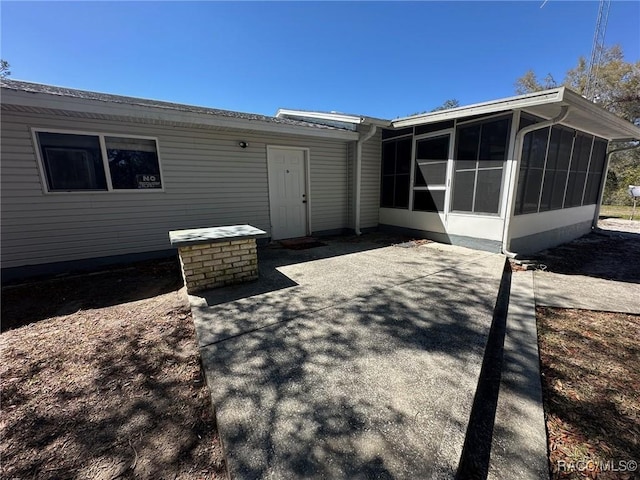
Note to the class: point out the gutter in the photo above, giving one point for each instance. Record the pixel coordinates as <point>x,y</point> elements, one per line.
<point>515,172</point>
<point>358,174</point>
<point>596,215</point>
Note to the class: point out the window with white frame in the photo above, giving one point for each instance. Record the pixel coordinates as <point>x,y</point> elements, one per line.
<point>559,168</point>
<point>481,151</point>
<point>95,162</point>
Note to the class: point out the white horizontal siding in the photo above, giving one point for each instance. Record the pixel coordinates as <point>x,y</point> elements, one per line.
<point>208,180</point>
<point>370,187</point>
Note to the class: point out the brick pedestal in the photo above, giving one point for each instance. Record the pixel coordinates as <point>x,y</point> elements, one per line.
<point>215,257</point>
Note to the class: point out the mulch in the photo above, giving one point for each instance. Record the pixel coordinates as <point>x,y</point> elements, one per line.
<point>101,379</point>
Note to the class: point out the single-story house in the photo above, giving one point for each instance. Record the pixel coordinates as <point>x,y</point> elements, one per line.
<point>89,178</point>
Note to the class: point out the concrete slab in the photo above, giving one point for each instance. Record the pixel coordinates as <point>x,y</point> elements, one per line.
<point>365,366</point>
<point>519,446</point>
<point>584,292</point>
<point>288,289</point>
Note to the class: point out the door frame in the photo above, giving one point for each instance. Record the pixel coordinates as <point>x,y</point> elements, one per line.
<point>307,180</point>
<point>450,162</point>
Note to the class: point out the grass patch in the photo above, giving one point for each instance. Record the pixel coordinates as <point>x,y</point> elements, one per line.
<point>619,211</point>
<point>590,363</point>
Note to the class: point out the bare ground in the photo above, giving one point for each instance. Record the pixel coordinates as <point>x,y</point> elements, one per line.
<point>590,362</point>
<point>591,386</point>
<point>101,379</point>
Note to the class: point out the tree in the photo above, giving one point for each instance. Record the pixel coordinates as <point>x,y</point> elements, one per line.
<point>617,89</point>
<point>529,83</point>
<point>4,69</point>
<point>447,104</point>
<point>617,83</point>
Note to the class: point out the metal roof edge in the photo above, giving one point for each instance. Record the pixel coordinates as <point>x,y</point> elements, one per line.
<point>494,106</point>
<point>207,117</point>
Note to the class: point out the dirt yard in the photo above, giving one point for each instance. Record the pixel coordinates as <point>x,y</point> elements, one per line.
<point>591,383</point>
<point>590,363</point>
<point>101,380</point>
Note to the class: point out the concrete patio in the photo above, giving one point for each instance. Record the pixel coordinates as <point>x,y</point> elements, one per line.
<point>352,360</point>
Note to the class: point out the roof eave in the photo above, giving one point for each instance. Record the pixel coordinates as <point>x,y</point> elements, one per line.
<point>511,103</point>
<point>628,131</point>
<point>99,107</point>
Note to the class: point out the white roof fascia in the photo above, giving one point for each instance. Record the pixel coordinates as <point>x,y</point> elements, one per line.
<point>332,116</point>
<point>522,101</point>
<point>628,130</point>
<point>99,107</point>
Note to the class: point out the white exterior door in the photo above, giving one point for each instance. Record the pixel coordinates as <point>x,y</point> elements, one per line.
<point>287,192</point>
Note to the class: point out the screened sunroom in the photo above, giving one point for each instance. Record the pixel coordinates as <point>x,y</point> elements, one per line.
<point>518,174</point>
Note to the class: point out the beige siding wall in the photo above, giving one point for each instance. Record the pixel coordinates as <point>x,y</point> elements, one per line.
<point>208,181</point>
<point>370,188</point>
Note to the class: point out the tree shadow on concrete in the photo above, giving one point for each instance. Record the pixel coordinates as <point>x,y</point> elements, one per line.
<point>366,384</point>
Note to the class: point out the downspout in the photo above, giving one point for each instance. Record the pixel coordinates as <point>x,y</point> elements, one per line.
<point>594,223</point>
<point>515,172</point>
<point>358,175</point>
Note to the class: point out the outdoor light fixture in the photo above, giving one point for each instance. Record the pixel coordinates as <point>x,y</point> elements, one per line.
<point>243,144</point>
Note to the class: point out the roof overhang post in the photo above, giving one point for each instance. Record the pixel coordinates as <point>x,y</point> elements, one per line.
<point>358,175</point>
<point>513,183</point>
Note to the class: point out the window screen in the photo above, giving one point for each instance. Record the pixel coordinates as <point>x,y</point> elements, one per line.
<point>596,171</point>
<point>481,150</point>
<point>571,174</point>
<point>396,167</point>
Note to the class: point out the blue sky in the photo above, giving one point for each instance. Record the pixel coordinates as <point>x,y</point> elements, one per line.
<point>376,58</point>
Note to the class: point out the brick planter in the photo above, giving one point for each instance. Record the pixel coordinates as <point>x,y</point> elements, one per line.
<point>215,257</point>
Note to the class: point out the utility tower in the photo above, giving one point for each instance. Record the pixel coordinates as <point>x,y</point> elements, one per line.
<point>591,85</point>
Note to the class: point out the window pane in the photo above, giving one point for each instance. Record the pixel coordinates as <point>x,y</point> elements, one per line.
<point>585,154</point>
<point>575,189</point>
<point>463,191</point>
<point>431,173</point>
<point>466,165</point>
<point>401,196</point>
<point>547,190</point>
<point>133,163</point>
<point>468,142</point>
<point>593,188</point>
<point>488,191</point>
<point>403,156</point>
<point>433,148</point>
<point>493,145</point>
<point>428,200</point>
<point>598,156</point>
<point>388,158</point>
<point>532,187</point>
<point>387,191</point>
<point>72,162</point>
<point>564,151</point>
<point>536,153</point>
<point>557,195</point>
<point>554,147</point>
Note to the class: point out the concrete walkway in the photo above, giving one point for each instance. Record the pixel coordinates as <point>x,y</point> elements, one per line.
<point>349,361</point>
<point>585,292</point>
